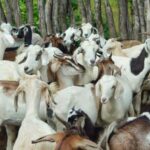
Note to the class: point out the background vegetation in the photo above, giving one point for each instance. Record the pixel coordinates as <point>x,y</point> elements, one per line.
<point>63,13</point>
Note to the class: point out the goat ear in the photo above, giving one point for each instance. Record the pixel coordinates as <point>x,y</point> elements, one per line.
<point>94,30</point>
<point>86,144</point>
<point>97,89</point>
<point>46,93</point>
<point>44,58</point>
<point>49,138</point>
<point>115,70</point>
<point>27,35</point>
<point>18,91</point>
<point>80,32</point>
<point>21,57</point>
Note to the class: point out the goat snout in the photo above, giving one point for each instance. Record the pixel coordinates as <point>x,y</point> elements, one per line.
<point>103,100</point>
<point>86,35</point>
<point>92,61</point>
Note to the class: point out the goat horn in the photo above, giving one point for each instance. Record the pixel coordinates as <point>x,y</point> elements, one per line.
<point>66,124</point>
<point>76,66</point>
<point>48,138</point>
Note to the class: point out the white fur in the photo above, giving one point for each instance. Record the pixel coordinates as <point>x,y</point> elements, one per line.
<point>6,40</point>
<point>32,126</point>
<point>117,94</point>
<point>80,97</point>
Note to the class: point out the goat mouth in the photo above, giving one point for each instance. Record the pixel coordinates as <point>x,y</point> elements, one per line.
<point>103,102</point>
<point>30,72</point>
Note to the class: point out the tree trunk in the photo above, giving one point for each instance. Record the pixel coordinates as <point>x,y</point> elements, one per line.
<point>136,28</point>
<point>55,16</point>
<point>42,17</point>
<point>63,14</point>
<point>9,15</point>
<point>2,14</point>
<point>142,18</point>
<point>111,23</point>
<point>48,16</point>
<point>123,19</point>
<point>71,14</point>
<point>148,18</point>
<point>98,17</point>
<point>83,11</point>
<point>88,11</point>
<point>16,12</point>
<point>29,5</point>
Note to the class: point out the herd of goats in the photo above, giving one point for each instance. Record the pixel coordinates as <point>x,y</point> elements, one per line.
<point>73,91</point>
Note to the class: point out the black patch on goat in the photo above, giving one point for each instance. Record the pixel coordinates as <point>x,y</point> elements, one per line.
<point>26,33</point>
<point>93,30</point>
<point>38,55</point>
<point>63,48</point>
<point>137,64</point>
<point>89,129</point>
<point>81,32</point>
<point>23,60</point>
<point>28,36</point>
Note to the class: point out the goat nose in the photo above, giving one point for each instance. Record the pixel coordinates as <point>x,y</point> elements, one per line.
<point>64,41</point>
<point>92,61</point>
<point>26,68</point>
<point>86,35</point>
<point>103,100</point>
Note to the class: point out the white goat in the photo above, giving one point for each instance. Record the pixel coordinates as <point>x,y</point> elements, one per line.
<point>6,40</point>
<point>69,37</point>
<point>6,27</point>
<point>135,69</point>
<point>75,96</point>
<point>32,126</point>
<point>85,56</point>
<point>86,30</point>
<point>116,97</point>
<point>116,48</point>
<point>25,34</point>
<point>8,116</point>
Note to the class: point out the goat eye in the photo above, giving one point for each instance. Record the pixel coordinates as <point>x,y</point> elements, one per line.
<point>38,55</point>
<point>23,60</point>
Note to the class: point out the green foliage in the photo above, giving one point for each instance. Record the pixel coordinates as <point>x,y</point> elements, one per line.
<point>77,13</point>
<point>35,13</point>
<point>23,11</point>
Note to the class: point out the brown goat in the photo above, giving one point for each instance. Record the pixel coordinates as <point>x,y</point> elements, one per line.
<point>106,66</point>
<point>56,42</point>
<point>68,141</point>
<point>134,135</point>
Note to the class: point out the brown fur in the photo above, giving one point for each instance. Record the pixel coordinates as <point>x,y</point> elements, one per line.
<point>107,66</point>
<point>10,55</point>
<point>68,141</point>
<point>131,136</point>
<point>12,85</point>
